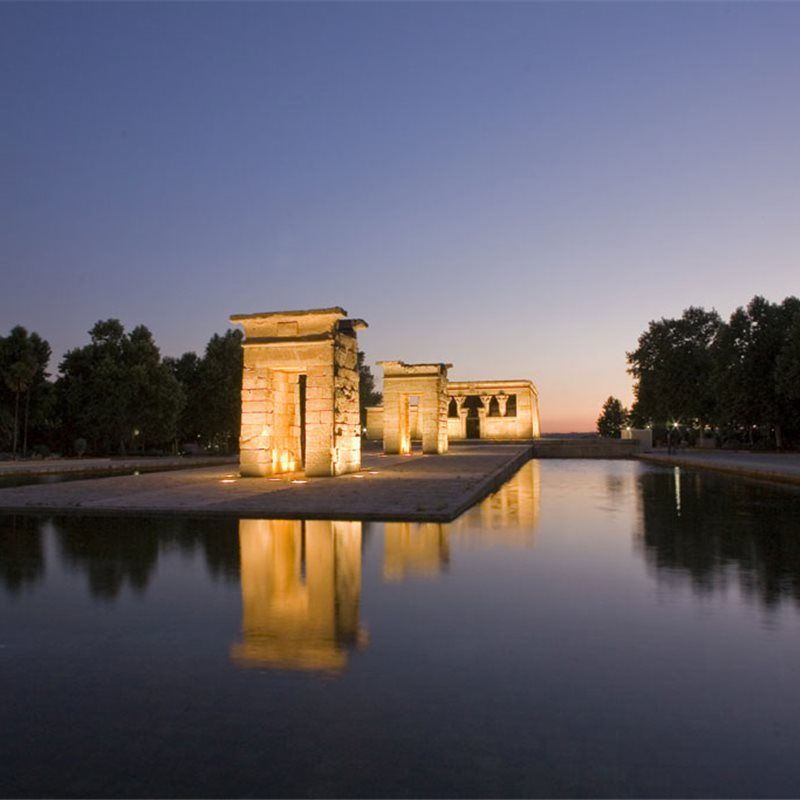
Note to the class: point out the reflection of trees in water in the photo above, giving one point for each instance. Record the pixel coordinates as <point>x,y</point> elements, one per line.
<point>712,529</point>
<point>112,552</point>
<point>216,538</point>
<point>21,552</point>
<point>120,551</point>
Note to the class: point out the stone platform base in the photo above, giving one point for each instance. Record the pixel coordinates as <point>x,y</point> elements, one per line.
<point>435,488</point>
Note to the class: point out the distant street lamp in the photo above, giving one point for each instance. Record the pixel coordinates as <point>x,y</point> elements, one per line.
<point>670,429</point>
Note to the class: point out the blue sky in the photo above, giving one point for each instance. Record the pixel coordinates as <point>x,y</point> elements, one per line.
<point>515,188</point>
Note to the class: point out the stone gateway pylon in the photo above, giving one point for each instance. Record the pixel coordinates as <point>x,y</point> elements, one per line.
<point>425,387</point>
<point>300,393</point>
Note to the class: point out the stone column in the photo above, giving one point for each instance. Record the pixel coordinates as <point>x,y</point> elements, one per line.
<point>396,424</point>
<point>346,420</point>
<point>462,415</point>
<point>483,412</point>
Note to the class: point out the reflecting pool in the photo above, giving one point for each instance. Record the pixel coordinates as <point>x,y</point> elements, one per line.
<point>595,628</point>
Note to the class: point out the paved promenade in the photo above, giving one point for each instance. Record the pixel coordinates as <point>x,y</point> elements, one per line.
<point>103,466</point>
<point>417,487</point>
<point>781,467</point>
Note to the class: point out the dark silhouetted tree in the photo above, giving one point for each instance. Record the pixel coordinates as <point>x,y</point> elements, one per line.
<point>188,372</point>
<point>23,364</point>
<point>747,378</point>
<point>787,374</point>
<point>221,390</point>
<point>367,396</point>
<point>117,393</point>
<point>612,419</point>
<point>673,367</point>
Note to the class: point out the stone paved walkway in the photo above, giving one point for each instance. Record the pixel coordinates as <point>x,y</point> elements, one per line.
<point>781,467</point>
<point>63,466</point>
<point>417,487</point>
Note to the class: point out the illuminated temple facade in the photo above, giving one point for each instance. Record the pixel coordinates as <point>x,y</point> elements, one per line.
<point>300,393</point>
<point>496,410</point>
<point>300,399</point>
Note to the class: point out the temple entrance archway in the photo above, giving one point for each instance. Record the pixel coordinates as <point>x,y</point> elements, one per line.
<point>473,406</point>
<point>473,424</point>
<point>415,402</point>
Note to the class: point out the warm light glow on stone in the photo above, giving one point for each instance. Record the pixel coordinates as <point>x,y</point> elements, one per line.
<point>301,585</point>
<point>300,390</point>
<point>414,406</point>
<point>496,410</point>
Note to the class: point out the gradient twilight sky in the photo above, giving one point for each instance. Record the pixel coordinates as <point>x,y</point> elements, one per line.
<point>516,188</point>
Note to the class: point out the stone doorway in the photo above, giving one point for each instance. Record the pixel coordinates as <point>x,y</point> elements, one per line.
<point>415,406</point>
<point>473,404</point>
<point>473,424</point>
<point>301,406</point>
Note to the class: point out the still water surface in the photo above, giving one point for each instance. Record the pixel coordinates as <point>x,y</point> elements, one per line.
<point>593,629</point>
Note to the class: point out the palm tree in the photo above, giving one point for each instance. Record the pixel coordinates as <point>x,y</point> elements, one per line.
<point>23,360</point>
<point>18,378</point>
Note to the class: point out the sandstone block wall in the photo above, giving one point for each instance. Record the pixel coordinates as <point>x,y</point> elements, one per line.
<point>346,419</point>
<point>427,383</point>
<point>300,393</point>
<point>375,423</point>
<point>524,424</point>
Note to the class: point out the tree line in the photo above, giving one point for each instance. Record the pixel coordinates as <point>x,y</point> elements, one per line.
<point>737,380</point>
<point>117,395</point>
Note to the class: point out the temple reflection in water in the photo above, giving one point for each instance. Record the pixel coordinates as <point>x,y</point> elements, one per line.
<point>507,518</point>
<point>414,548</point>
<point>301,583</point>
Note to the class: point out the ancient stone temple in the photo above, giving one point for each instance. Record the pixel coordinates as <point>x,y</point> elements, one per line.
<point>496,410</point>
<point>493,410</point>
<point>423,388</point>
<point>300,393</point>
